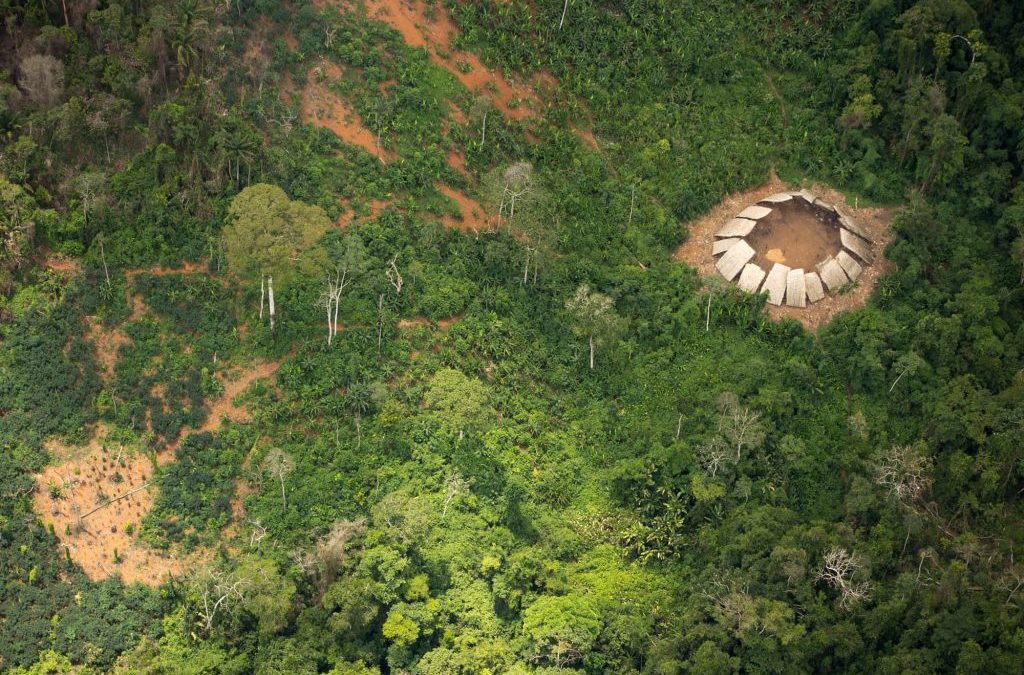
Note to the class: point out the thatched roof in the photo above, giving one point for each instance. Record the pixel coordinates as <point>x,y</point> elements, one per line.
<point>730,264</point>
<point>796,288</point>
<point>775,284</point>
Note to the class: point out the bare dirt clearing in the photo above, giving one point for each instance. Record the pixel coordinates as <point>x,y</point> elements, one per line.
<point>876,221</point>
<point>795,233</point>
<point>432,29</point>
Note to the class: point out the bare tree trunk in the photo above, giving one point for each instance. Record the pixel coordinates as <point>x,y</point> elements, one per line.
<point>898,378</point>
<point>115,499</point>
<point>270,298</point>
<point>263,293</point>
<point>483,131</point>
<point>330,327</point>
<point>591,352</point>
<point>526,268</point>
<point>707,322</point>
<point>284,502</point>
<point>380,321</point>
<point>103,255</point>
<point>334,323</point>
<point>565,8</point>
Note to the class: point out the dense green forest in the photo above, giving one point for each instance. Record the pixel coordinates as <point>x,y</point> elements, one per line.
<point>416,445</point>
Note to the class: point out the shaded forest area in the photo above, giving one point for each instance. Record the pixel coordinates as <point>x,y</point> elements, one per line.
<point>376,301</point>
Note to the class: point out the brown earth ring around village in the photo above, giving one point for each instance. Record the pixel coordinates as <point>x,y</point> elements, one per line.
<point>809,243</point>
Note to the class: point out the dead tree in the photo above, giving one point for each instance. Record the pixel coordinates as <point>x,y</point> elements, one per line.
<point>394,276</point>
<point>279,464</point>
<point>739,425</point>
<point>257,535</point>
<point>454,486</point>
<point>518,183</point>
<point>906,473</point>
<point>331,299</point>
<point>838,569</point>
<point>331,549</point>
<point>711,455</point>
<point>216,590</point>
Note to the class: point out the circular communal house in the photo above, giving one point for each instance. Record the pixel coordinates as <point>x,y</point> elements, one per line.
<point>793,246</point>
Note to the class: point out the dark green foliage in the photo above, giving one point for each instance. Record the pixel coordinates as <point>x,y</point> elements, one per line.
<point>194,501</point>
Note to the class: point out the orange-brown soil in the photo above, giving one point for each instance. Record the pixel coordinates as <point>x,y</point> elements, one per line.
<point>474,218</point>
<point>91,476</point>
<point>404,324</point>
<point>435,33</point>
<point>323,108</point>
<point>348,216</point>
<point>696,250</point>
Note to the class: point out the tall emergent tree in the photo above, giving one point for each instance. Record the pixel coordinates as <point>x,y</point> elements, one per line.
<point>268,235</point>
<point>593,317</point>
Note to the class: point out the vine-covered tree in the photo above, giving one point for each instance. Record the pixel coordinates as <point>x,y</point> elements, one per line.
<point>268,235</point>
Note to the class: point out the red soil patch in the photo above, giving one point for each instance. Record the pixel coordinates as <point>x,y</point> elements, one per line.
<point>473,219</point>
<point>325,109</point>
<point>696,250</point>
<point>587,137</point>
<point>457,114</point>
<point>93,476</point>
<point>59,263</point>
<point>457,161</point>
<point>108,340</point>
<point>376,207</point>
<point>434,33</point>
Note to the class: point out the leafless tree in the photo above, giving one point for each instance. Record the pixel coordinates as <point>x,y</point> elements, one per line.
<point>394,276</point>
<point>838,568</point>
<point>41,77</point>
<point>518,182</point>
<point>215,591</point>
<point>739,425</point>
<point>257,535</point>
<point>279,464</point>
<point>331,548</point>
<point>331,299</point>
<point>906,472</point>
<point>711,455</point>
<point>481,108</point>
<point>454,486</point>
<point>90,187</point>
